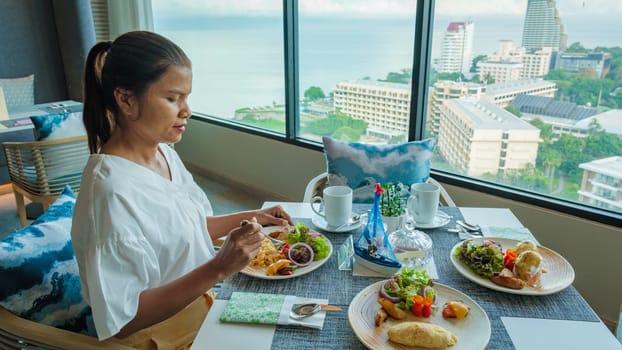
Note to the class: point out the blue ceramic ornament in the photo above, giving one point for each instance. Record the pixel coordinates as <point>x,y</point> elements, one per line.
<point>372,248</point>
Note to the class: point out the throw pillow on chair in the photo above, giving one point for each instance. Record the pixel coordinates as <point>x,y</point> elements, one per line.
<point>39,272</point>
<point>360,165</point>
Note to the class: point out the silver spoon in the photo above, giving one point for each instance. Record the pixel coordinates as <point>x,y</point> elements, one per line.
<point>355,219</point>
<point>300,311</point>
<point>469,227</point>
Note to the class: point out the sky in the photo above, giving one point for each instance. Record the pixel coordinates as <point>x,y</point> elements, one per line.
<point>375,8</point>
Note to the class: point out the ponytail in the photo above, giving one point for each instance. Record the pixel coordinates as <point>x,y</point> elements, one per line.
<point>95,116</point>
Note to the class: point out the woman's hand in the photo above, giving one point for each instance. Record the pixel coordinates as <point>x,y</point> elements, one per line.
<point>273,216</point>
<point>240,247</point>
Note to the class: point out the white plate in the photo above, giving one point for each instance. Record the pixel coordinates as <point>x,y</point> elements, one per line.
<point>559,275</point>
<point>320,223</point>
<point>473,331</point>
<point>260,272</point>
<point>440,219</point>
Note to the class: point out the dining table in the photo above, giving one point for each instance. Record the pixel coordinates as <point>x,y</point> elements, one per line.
<point>560,320</point>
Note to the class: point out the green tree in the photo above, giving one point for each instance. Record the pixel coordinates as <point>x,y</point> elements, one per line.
<point>475,61</point>
<point>514,110</point>
<point>546,130</point>
<point>556,74</point>
<point>572,150</point>
<point>314,93</point>
<point>488,79</point>
<point>550,159</point>
<point>402,77</point>
<point>576,47</point>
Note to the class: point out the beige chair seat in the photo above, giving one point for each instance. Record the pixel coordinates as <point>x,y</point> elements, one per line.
<point>19,333</point>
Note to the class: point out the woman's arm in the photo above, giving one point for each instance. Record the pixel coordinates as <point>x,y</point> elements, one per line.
<point>158,304</point>
<point>219,226</point>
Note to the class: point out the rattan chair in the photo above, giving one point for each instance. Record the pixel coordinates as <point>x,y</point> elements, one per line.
<point>316,186</point>
<point>19,333</point>
<point>39,170</point>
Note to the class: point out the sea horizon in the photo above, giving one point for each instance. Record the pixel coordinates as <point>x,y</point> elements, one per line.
<point>243,57</point>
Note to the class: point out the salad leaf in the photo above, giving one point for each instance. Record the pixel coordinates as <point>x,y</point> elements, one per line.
<point>318,243</point>
<point>406,284</point>
<point>484,259</point>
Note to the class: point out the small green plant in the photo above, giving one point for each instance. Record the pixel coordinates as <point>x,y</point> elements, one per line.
<point>393,199</point>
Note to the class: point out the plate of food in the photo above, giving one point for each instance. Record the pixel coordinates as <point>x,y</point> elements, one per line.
<point>453,319</point>
<point>512,266</point>
<point>288,252</point>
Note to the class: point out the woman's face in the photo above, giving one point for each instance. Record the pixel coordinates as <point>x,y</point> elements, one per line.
<point>163,109</point>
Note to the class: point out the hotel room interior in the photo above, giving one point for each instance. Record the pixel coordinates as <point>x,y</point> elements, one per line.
<point>240,167</point>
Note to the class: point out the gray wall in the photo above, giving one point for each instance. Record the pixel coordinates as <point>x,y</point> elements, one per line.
<point>30,35</point>
<point>279,170</point>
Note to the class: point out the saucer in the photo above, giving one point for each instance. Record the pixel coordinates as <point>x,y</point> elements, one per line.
<point>320,223</point>
<point>440,219</point>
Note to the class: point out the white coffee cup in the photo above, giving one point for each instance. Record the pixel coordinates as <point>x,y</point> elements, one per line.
<point>337,203</point>
<point>423,202</point>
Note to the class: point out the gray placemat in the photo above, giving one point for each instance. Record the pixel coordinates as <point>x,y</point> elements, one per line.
<point>340,287</point>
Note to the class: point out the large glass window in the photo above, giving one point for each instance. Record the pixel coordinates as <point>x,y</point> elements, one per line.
<point>523,94</point>
<point>237,53</point>
<point>355,69</point>
<point>539,83</point>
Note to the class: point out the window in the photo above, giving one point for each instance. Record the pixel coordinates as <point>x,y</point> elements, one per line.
<point>237,54</point>
<point>536,83</point>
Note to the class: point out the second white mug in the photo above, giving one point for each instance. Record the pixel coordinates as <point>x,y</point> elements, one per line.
<point>337,203</point>
<point>423,202</point>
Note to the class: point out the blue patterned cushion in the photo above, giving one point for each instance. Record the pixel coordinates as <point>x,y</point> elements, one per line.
<point>57,126</point>
<point>19,91</point>
<point>39,272</point>
<point>360,165</point>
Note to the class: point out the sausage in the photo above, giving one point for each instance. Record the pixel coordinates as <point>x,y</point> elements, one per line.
<point>392,309</point>
<point>506,278</point>
<point>381,316</point>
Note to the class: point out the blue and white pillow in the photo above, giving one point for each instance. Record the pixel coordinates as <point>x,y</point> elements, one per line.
<point>39,271</point>
<point>57,126</point>
<point>360,165</point>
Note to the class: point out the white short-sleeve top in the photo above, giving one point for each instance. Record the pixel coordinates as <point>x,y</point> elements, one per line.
<point>133,230</point>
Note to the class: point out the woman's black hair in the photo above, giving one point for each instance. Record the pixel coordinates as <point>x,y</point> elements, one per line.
<point>132,62</point>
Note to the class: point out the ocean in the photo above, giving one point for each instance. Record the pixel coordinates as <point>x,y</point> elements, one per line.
<point>238,62</point>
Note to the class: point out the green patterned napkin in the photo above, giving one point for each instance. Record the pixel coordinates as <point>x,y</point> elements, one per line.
<point>255,308</point>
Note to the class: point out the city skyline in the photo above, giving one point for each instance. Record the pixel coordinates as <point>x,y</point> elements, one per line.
<point>371,8</point>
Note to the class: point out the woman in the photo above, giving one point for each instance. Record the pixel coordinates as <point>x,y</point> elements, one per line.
<point>142,228</point>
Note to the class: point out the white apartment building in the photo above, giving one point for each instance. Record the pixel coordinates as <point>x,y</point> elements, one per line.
<point>602,183</point>
<point>457,48</point>
<point>478,138</point>
<point>446,90</point>
<point>502,94</point>
<point>536,65</point>
<point>513,63</point>
<point>500,71</point>
<point>384,106</point>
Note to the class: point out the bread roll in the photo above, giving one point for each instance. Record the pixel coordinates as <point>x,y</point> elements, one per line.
<point>425,335</point>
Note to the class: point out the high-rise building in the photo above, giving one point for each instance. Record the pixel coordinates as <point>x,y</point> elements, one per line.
<point>511,63</point>
<point>384,106</point>
<point>478,138</point>
<point>457,48</point>
<point>543,27</point>
<point>602,183</point>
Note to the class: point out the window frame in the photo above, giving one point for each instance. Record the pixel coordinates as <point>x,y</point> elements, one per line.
<point>418,109</point>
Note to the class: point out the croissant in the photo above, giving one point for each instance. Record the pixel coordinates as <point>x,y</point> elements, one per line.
<point>426,335</point>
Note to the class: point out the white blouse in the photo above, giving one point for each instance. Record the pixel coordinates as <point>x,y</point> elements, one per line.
<point>134,230</point>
